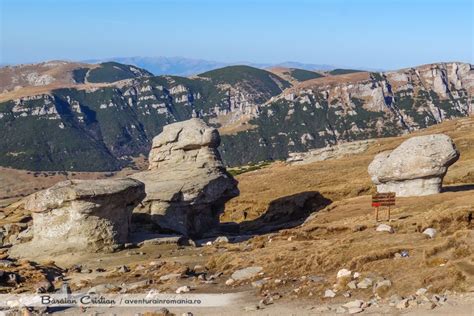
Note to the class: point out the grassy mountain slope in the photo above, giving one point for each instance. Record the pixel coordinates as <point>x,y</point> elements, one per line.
<point>338,71</point>
<point>248,79</point>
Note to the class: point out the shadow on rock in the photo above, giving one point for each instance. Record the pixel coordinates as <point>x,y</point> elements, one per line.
<point>286,212</point>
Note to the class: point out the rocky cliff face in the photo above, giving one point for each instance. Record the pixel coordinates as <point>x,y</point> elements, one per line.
<point>102,127</point>
<point>330,110</point>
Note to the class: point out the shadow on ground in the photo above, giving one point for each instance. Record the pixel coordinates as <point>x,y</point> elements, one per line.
<point>283,213</point>
<point>459,188</point>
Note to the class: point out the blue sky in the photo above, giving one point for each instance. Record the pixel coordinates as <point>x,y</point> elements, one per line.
<point>383,34</point>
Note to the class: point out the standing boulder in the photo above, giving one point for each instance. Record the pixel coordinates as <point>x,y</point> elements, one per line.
<point>416,167</point>
<point>187,184</point>
<point>82,215</point>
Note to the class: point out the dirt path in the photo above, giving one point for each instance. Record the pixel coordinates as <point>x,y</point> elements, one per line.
<point>459,305</point>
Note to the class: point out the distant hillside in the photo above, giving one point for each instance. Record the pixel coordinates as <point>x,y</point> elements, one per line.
<point>295,75</point>
<point>69,123</point>
<point>31,79</point>
<point>336,72</point>
<point>247,78</point>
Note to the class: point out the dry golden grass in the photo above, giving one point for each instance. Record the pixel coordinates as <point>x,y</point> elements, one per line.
<point>343,234</point>
<point>341,178</point>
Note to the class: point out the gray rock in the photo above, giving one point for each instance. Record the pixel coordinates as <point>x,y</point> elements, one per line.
<point>344,273</point>
<point>316,278</point>
<point>381,287</point>
<point>104,288</point>
<point>170,276</point>
<point>402,304</point>
<point>183,289</point>
<point>416,167</point>
<point>6,263</point>
<point>352,285</point>
<point>251,308</point>
<point>267,300</point>
<point>430,232</point>
<point>221,239</point>
<point>385,228</point>
<point>246,273</point>
<point>355,303</point>
<point>259,283</point>
<point>395,299</point>
<point>135,285</point>
<point>365,283</point>
<point>186,184</point>
<point>85,215</point>
<point>44,287</point>
<point>123,269</point>
<point>329,294</point>
<point>421,291</point>
<point>165,240</point>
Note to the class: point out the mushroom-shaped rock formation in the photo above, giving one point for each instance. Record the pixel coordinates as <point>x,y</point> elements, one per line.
<point>187,184</point>
<point>416,167</point>
<point>82,215</point>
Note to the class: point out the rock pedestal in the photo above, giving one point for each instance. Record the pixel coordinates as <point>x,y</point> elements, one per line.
<point>186,184</point>
<point>416,167</point>
<point>83,215</point>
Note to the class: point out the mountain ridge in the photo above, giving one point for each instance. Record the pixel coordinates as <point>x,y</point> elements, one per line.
<point>261,116</point>
<point>181,66</point>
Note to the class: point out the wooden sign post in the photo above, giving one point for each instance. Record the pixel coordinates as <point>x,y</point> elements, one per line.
<point>383,199</point>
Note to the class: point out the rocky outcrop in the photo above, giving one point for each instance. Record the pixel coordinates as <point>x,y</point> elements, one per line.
<point>330,152</point>
<point>186,184</point>
<point>416,167</point>
<point>85,215</point>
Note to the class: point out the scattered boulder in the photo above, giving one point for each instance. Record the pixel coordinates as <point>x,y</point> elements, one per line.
<point>44,287</point>
<point>402,304</point>
<point>85,215</point>
<point>416,167</point>
<point>430,232</point>
<point>246,273</point>
<point>365,283</point>
<point>170,276</point>
<point>221,239</point>
<point>123,269</point>
<point>104,288</point>
<point>183,289</point>
<point>382,287</point>
<point>344,273</point>
<point>186,184</point>
<point>385,228</point>
<point>352,304</point>
<point>329,294</point>
<point>421,291</point>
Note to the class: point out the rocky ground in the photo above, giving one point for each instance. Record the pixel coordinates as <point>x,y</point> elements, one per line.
<point>335,260</point>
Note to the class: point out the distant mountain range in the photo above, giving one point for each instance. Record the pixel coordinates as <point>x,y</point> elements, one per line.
<point>180,66</point>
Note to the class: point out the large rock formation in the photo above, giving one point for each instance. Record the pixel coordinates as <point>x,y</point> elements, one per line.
<point>416,167</point>
<point>84,215</point>
<point>187,184</point>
